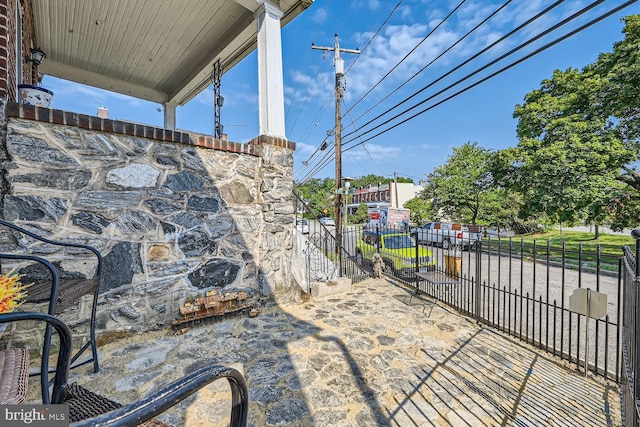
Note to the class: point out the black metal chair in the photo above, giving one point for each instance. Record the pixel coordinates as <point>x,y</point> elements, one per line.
<point>89,409</point>
<point>58,288</point>
<point>68,288</point>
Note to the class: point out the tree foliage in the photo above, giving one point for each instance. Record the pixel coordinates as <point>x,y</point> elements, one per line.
<point>318,194</point>
<point>578,139</point>
<point>456,188</point>
<point>360,215</point>
<point>421,210</point>
<point>374,180</point>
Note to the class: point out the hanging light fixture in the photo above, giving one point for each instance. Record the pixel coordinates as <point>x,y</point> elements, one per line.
<point>37,56</point>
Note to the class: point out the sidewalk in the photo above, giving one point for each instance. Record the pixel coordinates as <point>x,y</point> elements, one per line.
<point>364,358</point>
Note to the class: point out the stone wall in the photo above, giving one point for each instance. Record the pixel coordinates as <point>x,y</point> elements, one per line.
<point>171,218</point>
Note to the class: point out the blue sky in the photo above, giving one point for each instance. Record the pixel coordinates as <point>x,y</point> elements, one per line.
<point>386,31</point>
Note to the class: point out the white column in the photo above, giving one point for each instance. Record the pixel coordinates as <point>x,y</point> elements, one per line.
<point>270,79</point>
<point>169,116</point>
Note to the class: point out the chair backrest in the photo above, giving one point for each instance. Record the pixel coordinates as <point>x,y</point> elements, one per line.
<point>17,228</point>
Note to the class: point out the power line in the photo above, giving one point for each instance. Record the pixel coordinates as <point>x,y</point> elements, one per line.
<point>412,50</point>
<point>328,99</point>
<point>304,67</point>
<point>500,71</point>
<point>489,47</point>
<point>323,162</point>
<point>475,56</point>
<point>484,21</point>
<point>364,49</point>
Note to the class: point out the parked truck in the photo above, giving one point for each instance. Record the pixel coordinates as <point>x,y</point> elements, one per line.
<point>448,234</point>
<point>387,217</point>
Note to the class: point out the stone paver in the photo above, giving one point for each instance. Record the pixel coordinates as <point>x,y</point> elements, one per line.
<point>362,358</point>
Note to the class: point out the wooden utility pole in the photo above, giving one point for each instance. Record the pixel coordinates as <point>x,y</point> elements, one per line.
<point>338,64</point>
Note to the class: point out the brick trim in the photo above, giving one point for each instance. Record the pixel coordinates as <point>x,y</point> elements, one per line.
<point>82,121</point>
<point>272,140</point>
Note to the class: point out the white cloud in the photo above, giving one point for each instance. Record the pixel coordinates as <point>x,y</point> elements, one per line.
<point>303,150</point>
<point>373,151</point>
<point>319,16</point>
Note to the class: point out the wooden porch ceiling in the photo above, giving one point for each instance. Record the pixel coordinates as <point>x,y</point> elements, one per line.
<point>157,50</point>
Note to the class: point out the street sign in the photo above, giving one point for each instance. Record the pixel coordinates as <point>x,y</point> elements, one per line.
<point>587,302</point>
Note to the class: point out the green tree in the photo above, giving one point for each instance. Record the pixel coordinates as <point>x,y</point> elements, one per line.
<point>456,188</point>
<point>373,180</point>
<point>421,210</point>
<point>319,194</point>
<point>578,139</point>
<point>360,215</point>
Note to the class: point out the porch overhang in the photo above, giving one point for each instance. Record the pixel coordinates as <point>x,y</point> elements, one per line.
<point>159,50</point>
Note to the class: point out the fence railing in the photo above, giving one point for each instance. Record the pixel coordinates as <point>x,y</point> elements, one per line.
<point>520,288</point>
<point>630,278</point>
<point>322,262</point>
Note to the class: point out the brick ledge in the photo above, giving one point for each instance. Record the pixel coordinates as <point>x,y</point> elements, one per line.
<point>83,121</point>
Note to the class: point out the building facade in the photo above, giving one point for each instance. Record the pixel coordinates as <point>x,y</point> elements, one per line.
<point>390,194</point>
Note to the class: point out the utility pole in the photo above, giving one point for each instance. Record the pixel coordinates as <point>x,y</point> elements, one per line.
<point>338,64</point>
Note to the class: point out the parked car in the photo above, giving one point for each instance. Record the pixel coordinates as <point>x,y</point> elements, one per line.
<point>448,235</point>
<point>327,221</point>
<point>302,225</point>
<point>398,251</point>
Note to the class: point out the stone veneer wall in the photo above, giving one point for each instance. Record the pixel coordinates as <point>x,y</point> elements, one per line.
<point>173,214</point>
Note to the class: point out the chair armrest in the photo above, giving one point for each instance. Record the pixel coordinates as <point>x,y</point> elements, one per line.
<point>57,243</point>
<point>158,402</point>
<point>64,352</point>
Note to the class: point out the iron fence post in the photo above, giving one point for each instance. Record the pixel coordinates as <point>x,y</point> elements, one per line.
<point>477,299</point>
<point>636,368</point>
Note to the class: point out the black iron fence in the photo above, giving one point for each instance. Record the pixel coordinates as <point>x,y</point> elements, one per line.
<point>523,289</point>
<point>526,289</point>
<point>318,245</point>
<point>630,279</point>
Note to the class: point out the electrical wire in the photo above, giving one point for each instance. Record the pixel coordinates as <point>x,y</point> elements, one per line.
<point>501,70</point>
<point>325,105</point>
<point>304,68</point>
<point>484,21</point>
<point>486,49</point>
<point>413,50</point>
<point>375,35</point>
<point>406,56</point>
<point>517,62</point>
<point>363,146</point>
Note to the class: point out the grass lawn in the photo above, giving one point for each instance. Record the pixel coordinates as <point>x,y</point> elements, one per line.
<point>610,244</point>
<point>610,247</point>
